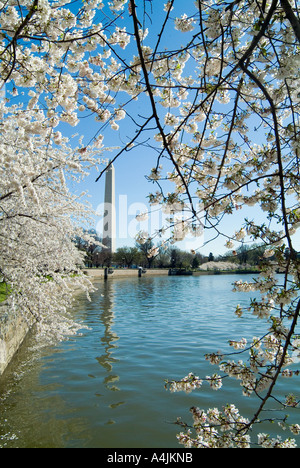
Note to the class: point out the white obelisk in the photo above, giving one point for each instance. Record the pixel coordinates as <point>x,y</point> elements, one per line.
<point>109,221</point>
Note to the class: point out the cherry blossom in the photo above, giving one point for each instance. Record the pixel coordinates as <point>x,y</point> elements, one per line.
<point>219,106</point>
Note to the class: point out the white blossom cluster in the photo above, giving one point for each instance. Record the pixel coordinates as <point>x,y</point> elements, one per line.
<point>228,429</point>
<point>38,223</point>
<point>52,63</point>
<point>217,429</point>
<point>220,109</point>
<point>187,384</point>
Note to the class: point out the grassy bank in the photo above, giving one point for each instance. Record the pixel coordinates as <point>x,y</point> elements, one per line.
<point>4,291</point>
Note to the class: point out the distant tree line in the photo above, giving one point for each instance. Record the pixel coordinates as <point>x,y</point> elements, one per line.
<point>147,255</point>
<point>246,254</point>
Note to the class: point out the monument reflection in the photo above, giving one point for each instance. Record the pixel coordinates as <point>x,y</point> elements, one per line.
<point>109,338</point>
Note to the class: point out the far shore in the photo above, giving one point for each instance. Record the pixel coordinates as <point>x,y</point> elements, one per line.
<point>210,268</point>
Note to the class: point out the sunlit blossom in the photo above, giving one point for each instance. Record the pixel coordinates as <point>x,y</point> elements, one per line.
<point>218,110</point>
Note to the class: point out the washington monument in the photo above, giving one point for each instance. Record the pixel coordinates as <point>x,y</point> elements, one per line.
<point>109,220</point>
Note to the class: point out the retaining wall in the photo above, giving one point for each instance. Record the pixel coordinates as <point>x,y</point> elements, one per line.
<point>13,330</point>
<point>123,273</point>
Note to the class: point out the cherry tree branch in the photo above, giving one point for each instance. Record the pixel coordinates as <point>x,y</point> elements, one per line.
<point>295,23</point>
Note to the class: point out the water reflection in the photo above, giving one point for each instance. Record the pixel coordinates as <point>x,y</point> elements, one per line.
<point>109,338</point>
<point>106,387</point>
<point>45,395</point>
<point>29,410</point>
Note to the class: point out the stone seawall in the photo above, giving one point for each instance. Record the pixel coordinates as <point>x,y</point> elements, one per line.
<point>123,273</point>
<point>13,330</point>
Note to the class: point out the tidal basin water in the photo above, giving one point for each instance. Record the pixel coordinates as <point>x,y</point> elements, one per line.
<point>105,388</point>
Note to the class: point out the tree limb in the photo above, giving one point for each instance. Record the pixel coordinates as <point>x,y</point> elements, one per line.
<point>295,23</point>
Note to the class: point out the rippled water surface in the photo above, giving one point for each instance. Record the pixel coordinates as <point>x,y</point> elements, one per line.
<point>106,387</point>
